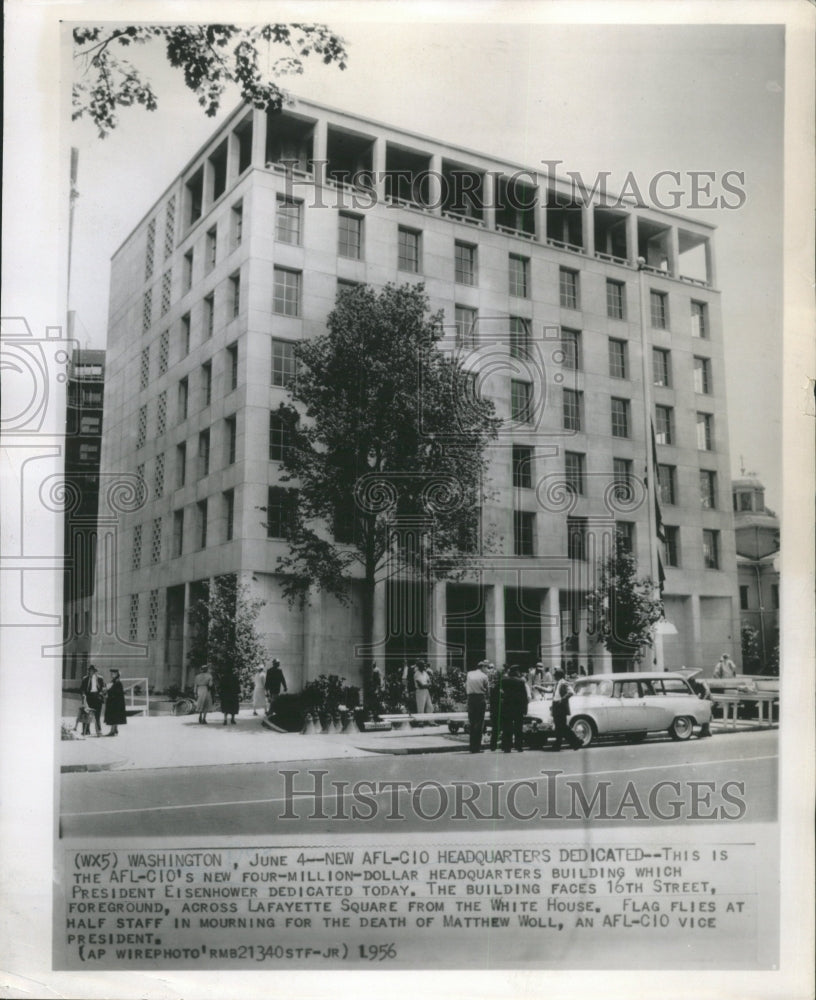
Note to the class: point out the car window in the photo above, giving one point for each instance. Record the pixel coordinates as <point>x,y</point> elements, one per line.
<point>626,689</point>
<point>675,685</point>
<point>648,687</point>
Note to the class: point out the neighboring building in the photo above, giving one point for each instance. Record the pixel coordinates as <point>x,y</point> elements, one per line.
<point>241,257</point>
<point>757,534</point>
<point>86,386</point>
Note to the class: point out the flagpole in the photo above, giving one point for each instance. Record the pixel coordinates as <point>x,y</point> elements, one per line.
<point>651,471</point>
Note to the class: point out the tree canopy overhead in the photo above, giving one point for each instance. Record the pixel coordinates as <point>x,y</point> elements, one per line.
<point>391,434</point>
<point>210,56</point>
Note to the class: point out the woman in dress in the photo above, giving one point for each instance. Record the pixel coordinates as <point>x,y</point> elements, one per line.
<point>230,695</point>
<point>115,714</point>
<point>203,688</point>
<point>259,692</point>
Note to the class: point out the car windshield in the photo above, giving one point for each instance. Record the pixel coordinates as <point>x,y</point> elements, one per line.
<point>593,687</point>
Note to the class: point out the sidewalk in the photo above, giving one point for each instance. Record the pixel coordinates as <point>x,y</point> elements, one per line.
<point>167,741</point>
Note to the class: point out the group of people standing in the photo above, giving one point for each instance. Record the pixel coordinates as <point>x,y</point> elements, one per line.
<point>508,695</point>
<point>96,695</point>
<point>267,686</point>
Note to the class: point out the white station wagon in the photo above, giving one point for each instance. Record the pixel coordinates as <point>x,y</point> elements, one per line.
<point>630,705</point>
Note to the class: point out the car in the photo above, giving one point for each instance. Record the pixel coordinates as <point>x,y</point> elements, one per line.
<point>635,704</point>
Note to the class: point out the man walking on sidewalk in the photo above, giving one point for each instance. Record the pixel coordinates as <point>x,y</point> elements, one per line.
<point>476,688</point>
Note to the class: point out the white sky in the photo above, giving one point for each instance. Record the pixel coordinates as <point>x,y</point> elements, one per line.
<point>618,98</point>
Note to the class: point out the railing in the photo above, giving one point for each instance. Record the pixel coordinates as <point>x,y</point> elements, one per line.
<point>694,281</point>
<point>469,219</point>
<point>515,232</point>
<point>612,259</point>
<point>561,245</point>
<point>417,206</point>
<point>287,168</point>
<point>137,695</point>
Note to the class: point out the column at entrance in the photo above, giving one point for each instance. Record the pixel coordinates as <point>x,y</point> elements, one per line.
<point>494,624</point>
<point>551,628</point>
<point>437,626</point>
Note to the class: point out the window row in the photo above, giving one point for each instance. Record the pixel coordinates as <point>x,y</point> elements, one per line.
<point>212,520</point>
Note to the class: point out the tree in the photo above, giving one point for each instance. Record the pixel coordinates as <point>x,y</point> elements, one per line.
<point>749,640</point>
<point>624,607</point>
<point>224,633</point>
<point>210,56</point>
<point>392,430</point>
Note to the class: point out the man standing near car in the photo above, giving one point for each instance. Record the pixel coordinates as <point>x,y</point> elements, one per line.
<point>513,706</point>
<point>476,688</point>
<point>92,689</point>
<point>560,713</point>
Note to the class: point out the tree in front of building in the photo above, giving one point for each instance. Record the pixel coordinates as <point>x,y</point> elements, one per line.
<point>210,57</point>
<point>224,631</point>
<point>624,608</point>
<point>390,454</point>
<point>751,657</point>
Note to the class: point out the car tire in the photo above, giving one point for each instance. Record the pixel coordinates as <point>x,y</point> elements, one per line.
<point>682,728</point>
<point>584,729</point>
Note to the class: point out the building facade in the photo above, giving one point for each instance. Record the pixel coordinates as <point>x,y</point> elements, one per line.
<point>545,302</point>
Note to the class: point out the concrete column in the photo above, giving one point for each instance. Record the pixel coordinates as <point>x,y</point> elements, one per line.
<point>435,187</point>
<point>551,628</point>
<point>494,624</point>
<point>378,166</point>
<point>320,150</point>
<point>380,621</point>
<point>711,270</point>
<point>697,635</point>
<point>588,229</point>
<point>674,252</point>
<point>631,237</point>
<point>185,636</point>
<point>258,138</point>
<point>541,212</point>
<point>490,192</point>
<point>437,628</point>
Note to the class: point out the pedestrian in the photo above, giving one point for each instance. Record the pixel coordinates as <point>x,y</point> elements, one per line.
<point>703,692</point>
<point>477,687</point>
<point>495,678</point>
<point>259,692</point>
<point>422,684</point>
<point>514,707</point>
<point>203,684</point>
<point>535,675</point>
<point>547,678</point>
<point>230,695</point>
<point>560,713</point>
<point>275,683</point>
<point>408,672</point>
<point>115,713</point>
<point>92,689</point>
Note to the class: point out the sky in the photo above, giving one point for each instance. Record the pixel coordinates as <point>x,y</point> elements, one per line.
<point>620,98</point>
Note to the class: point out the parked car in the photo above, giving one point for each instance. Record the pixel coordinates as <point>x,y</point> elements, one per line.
<point>634,705</point>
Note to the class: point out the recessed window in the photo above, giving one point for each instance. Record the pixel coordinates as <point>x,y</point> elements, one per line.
<point>187,271</point>
<point>283,362</point>
<point>185,335</point>
<point>568,288</point>
<point>661,367</point>
<point>465,263</point>
<point>577,533</point>
<point>194,196</point>
<point>206,383</point>
<point>201,510</point>
<point>574,472</point>
<point>235,293</point>
<point>408,250</point>
<point>286,298</point>
<point>230,439</point>
<point>572,405</point>
<point>181,464</point>
<point>89,425</point>
<point>466,320</point>
<point>699,320</point>
<point>280,437</point>
<point>521,401</point>
<point>711,549</point>
<point>280,508</point>
<point>622,474</point>
<point>288,221</point>
<point>708,489</point>
<point>620,417</point>
<point>617,358</point>
<point>523,533</point>
<point>625,532</point>
<point>744,605</point>
<point>212,248</point>
<point>666,482</point>
<point>232,367</point>
<point>664,424</point>
<point>571,349</point>
<point>178,532</point>
<point>705,432</point>
<point>203,454</point>
<point>659,310</point>
<point>183,398</point>
<point>350,236</point>
<point>228,499</point>
<point>209,316</point>
<point>702,376</point>
<point>89,452</point>
<point>519,337</point>
<point>519,276</point>
<point>671,546</point>
<point>615,301</point>
<point>237,223</point>
<point>522,467</point>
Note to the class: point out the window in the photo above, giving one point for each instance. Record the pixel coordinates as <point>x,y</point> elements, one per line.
<point>141,430</point>
<point>136,551</point>
<point>133,623</point>
<point>708,489</point>
<point>201,511</point>
<point>280,436</point>
<point>286,298</point>
<point>705,432</point>
<point>521,401</point>
<point>181,464</point>
<point>661,367</point>
<point>465,268</point>
<point>211,248</point>
<point>622,474</point>
<point>187,271</point>
<point>230,439</point>
<point>702,376</point>
<point>620,417</point>
<point>178,532</point>
<point>288,221</point>
<point>523,533</point>
<point>671,547</point>
<point>574,463</point>
<point>237,223</point>
<point>144,370</point>
<point>625,532</point>
<point>203,454</point>
<point>615,291</point>
<point>466,320</point>
<point>279,510</point>
<point>169,226</point>
<point>744,606</point>
<point>183,397</point>
<point>577,531</point>
<point>571,349</point>
<point>283,362</point>
<point>195,193</point>
<point>206,383</point>
<point>229,513</point>
<point>89,425</point>
<point>746,502</point>
<point>699,320</point>
<point>519,276</point>
<point>522,467</point>
<point>147,310</point>
<point>185,335</point>
<point>408,250</point>
<point>158,475</point>
<point>571,408</point>
<point>711,549</point>
<point>161,412</point>
<point>350,236</point>
<point>235,293</point>
<point>166,289</point>
<point>519,337</point>
<point>568,287</point>
<point>617,358</point>
<point>232,367</point>
<point>209,316</point>
<point>664,424</point>
<point>659,311</point>
<point>149,252</point>
<point>164,351</point>
<point>155,541</point>
<point>666,484</point>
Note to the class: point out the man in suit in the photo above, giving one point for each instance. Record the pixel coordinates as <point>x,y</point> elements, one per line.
<point>92,689</point>
<point>275,683</point>
<point>476,688</point>
<point>514,708</point>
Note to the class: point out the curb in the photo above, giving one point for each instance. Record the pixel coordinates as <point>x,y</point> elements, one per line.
<point>84,768</point>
